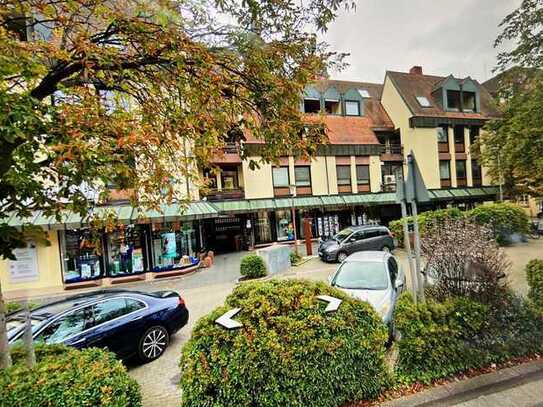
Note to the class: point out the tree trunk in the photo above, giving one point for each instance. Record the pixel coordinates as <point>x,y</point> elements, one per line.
<point>27,338</point>
<point>5,357</point>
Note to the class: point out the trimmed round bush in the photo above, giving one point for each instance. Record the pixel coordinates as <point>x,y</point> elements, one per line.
<point>68,377</point>
<point>289,352</point>
<point>534,276</point>
<point>505,220</point>
<point>252,266</point>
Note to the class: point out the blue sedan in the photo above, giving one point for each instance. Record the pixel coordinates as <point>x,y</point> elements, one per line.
<point>128,323</point>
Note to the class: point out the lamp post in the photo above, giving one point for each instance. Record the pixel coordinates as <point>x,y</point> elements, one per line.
<point>293,209</point>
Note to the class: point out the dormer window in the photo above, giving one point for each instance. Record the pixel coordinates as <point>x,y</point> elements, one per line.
<point>423,101</point>
<point>468,101</point>
<point>312,105</point>
<point>453,100</point>
<point>352,108</point>
<point>332,106</point>
<point>364,93</point>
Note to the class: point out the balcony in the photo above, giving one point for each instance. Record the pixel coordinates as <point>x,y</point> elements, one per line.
<point>393,152</point>
<point>388,187</point>
<point>224,194</point>
<point>229,154</point>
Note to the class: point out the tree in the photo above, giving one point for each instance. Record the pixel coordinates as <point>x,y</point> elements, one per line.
<point>512,148</point>
<point>463,260</point>
<point>96,93</point>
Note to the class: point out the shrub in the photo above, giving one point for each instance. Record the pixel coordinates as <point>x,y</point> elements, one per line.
<point>425,218</point>
<point>295,258</point>
<point>16,306</point>
<point>68,377</point>
<point>442,339</point>
<point>288,352</point>
<point>534,276</point>
<point>463,260</point>
<point>505,220</point>
<point>252,266</point>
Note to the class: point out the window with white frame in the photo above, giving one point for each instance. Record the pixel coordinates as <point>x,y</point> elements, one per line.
<point>352,108</point>
<point>280,177</point>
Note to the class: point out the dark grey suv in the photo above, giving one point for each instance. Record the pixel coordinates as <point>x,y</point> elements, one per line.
<point>356,239</point>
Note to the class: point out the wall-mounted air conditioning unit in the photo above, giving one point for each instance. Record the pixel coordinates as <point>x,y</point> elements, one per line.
<point>389,179</point>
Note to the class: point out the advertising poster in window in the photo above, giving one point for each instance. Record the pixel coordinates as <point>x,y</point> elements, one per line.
<point>319,226</point>
<point>25,268</point>
<point>169,246</point>
<point>137,260</point>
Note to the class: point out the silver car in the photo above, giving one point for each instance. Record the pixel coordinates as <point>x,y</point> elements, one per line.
<point>374,277</point>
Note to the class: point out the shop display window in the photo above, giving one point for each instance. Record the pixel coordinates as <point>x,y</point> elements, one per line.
<point>173,246</point>
<point>263,232</point>
<point>125,251</point>
<point>285,228</point>
<point>81,255</point>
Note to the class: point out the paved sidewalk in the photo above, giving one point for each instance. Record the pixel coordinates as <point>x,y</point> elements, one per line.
<point>515,386</point>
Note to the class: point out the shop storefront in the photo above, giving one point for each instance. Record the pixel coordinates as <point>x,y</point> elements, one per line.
<point>81,253</point>
<point>129,250</point>
<point>174,246</point>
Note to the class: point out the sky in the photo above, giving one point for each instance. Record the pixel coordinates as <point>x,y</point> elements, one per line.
<point>443,36</point>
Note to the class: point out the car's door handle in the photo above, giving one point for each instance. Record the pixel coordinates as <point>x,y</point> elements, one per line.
<point>79,341</point>
<point>138,318</point>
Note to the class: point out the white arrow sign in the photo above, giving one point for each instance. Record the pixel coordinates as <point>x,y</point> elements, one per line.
<point>227,321</point>
<point>333,302</point>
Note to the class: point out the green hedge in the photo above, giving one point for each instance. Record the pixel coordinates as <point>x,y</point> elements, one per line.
<point>534,276</point>
<point>69,378</point>
<point>16,306</point>
<point>441,339</point>
<point>288,352</point>
<point>252,266</point>
<point>425,218</point>
<point>503,218</point>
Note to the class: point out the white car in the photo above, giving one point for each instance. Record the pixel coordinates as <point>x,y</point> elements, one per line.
<point>374,277</point>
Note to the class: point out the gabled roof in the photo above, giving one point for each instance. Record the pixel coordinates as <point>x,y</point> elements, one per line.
<point>412,85</point>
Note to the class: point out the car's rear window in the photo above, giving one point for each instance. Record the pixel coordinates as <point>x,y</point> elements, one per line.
<point>361,275</point>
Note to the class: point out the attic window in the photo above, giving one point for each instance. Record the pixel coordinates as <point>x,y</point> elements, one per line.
<point>312,105</point>
<point>468,101</point>
<point>453,100</point>
<point>423,101</point>
<point>332,106</point>
<point>364,93</point>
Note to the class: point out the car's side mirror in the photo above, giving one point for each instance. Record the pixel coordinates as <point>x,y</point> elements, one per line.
<point>398,283</point>
<point>351,239</point>
<point>330,278</point>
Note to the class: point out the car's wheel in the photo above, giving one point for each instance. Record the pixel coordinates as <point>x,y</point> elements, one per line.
<point>385,249</point>
<point>153,343</point>
<point>341,256</point>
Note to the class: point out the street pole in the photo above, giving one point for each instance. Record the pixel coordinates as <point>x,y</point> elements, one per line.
<point>407,244</point>
<point>501,178</point>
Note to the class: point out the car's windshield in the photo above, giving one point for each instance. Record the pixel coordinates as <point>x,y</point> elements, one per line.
<point>17,321</point>
<point>361,275</point>
<point>342,235</point>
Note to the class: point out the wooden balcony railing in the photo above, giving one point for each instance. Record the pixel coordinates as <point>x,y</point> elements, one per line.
<point>217,195</point>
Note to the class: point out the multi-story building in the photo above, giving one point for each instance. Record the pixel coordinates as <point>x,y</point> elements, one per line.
<point>370,130</point>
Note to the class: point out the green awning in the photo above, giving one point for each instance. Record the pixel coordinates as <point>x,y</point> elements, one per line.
<point>307,202</point>
<point>262,204</point>
<point>357,199</point>
<point>491,190</point>
<point>477,192</point>
<point>440,193</point>
<point>282,203</point>
<point>17,222</point>
<point>333,200</point>
<point>232,206</point>
<point>384,198</point>
<point>122,213</point>
<point>459,193</point>
<point>67,219</point>
<point>175,211</point>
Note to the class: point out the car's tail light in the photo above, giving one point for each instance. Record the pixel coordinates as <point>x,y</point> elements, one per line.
<point>181,301</point>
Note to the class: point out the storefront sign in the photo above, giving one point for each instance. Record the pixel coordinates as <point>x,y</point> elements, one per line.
<point>25,268</point>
